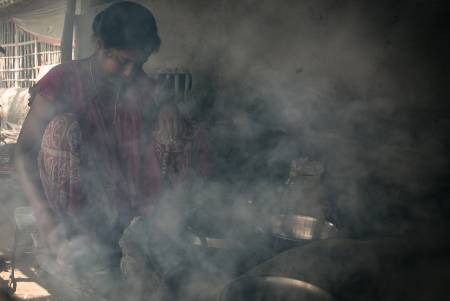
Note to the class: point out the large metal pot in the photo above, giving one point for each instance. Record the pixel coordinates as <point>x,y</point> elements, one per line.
<point>300,227</point>
<point>271,288</point>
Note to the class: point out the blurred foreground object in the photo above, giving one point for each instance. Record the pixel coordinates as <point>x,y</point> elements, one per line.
<point>265,288</point>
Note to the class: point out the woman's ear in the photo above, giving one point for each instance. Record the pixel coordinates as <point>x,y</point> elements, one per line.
<point>98,44</point>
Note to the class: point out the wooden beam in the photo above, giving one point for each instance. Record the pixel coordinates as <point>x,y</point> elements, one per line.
<point>67,36</point>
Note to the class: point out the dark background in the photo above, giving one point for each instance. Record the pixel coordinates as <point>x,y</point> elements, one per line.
<point>359,85</point>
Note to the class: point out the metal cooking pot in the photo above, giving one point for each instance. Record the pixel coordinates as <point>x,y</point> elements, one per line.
<point>271,288</point>
<point>300,227</point>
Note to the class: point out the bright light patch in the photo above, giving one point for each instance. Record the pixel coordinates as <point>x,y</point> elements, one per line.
<point>26,289</point>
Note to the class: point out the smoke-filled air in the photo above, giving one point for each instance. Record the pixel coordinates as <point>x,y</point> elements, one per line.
<point>253,150</point>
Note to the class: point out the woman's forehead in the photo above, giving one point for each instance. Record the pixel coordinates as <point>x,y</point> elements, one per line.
<point>132,55</point>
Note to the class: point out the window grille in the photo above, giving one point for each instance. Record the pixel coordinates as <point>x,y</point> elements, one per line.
<point>6,3</point>
<point>24,56</point>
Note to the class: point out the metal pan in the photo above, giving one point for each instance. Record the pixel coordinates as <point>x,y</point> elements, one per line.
<point>273,288</point>
<point>300,227</point>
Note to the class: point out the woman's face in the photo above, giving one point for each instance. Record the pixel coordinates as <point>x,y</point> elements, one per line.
<point>122,63</point>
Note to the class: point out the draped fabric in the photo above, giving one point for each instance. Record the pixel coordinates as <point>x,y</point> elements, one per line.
<point>43,18</point>
<point>99,165</point>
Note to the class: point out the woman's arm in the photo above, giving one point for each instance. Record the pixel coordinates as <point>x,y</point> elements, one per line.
<point>26,152</point>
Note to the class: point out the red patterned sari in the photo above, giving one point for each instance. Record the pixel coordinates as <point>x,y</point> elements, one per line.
<point>92,162</point>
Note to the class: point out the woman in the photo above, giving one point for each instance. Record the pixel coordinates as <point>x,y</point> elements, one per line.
<point>79,155</point>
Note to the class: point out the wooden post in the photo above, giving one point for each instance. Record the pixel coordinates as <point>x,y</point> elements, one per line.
<point>36,62</point>
<point>16,57</point>
<point>67,36</point>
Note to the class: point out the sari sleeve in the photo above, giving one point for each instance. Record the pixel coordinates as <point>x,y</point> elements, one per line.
<point>52,86</point>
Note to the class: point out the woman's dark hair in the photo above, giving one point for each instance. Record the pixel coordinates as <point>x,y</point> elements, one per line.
<point>127,25</point>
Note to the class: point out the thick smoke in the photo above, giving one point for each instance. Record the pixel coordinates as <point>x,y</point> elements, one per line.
<point>352,84</point>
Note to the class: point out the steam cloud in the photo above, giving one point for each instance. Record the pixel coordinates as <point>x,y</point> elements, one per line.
<point>350,83</point>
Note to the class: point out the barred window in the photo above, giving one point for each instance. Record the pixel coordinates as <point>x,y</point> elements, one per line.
<point>19,67</point>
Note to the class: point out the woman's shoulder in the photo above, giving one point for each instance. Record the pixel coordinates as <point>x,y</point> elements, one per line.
<point>61,73</point>
<point>67,67</point>
<point>58,80</point>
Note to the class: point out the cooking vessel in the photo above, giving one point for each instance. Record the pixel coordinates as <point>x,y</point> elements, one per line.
<point>299,227</point>
<point>271,288</point>
<point>197,239</point>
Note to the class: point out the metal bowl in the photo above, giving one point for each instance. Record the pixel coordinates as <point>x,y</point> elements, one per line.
<point>271,288</point>
<point>196,239</point>
<point>300,227</point>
